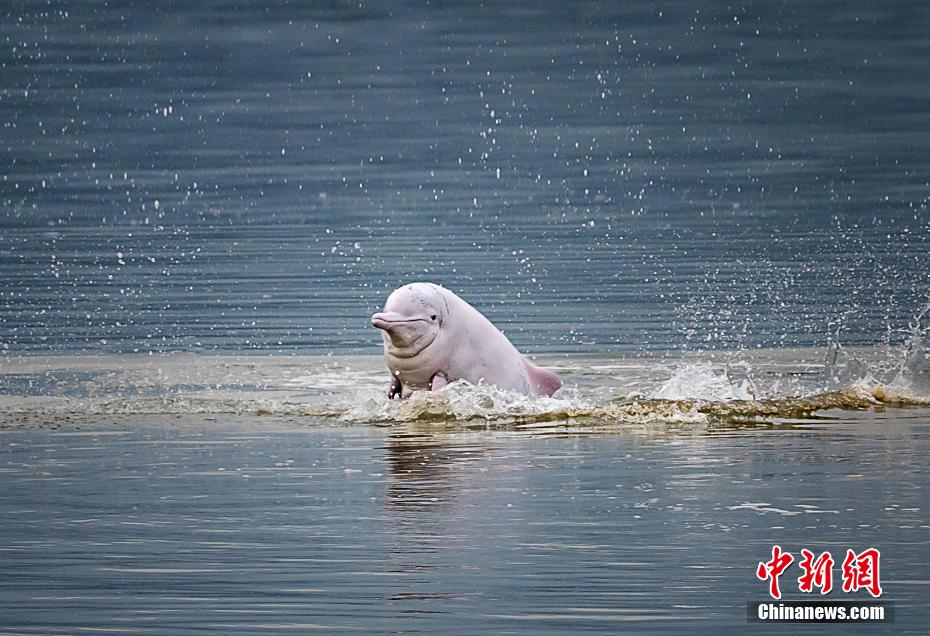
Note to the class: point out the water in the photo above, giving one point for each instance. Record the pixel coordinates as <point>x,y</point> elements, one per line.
<point>246,178</point>
<point>244,493</point>
<point>711,221</point>
<point>181,525</point>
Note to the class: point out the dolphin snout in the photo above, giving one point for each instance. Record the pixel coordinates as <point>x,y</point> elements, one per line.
<point>385,320</point>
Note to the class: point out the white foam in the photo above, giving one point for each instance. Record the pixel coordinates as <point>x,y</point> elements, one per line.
<point>462,400</point>
<point>353,389</point>
<point>705,382</point>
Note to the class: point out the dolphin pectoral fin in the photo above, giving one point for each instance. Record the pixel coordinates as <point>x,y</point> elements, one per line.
<point>396,388</point>
<point>438,381</point>
<point>544,381</point>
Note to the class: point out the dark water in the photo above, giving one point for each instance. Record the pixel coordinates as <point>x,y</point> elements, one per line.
<point>688,201</point>
<point>594,176</point>
<point>249,526</point>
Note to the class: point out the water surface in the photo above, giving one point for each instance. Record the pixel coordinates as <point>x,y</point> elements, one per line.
<point>245,525</point>
<point>595,177</point>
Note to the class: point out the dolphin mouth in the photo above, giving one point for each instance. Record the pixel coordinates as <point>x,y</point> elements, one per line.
<point>386,324</point>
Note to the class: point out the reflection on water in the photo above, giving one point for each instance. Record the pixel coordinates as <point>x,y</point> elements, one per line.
<point>424,468</point>
<point>242,525</point>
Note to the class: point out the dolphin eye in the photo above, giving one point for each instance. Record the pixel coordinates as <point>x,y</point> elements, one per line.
<point>433,317</point>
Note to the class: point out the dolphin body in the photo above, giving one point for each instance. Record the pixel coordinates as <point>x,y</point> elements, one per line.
<point>432,337</point>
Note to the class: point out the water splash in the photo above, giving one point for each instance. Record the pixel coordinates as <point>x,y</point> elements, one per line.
<point>914,368</point>
<point>903,370</point>
<point>750,386</point>
<point>464,401</point>
<point>706,382</point>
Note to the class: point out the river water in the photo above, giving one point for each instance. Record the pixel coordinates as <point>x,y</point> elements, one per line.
<point>711,221</point>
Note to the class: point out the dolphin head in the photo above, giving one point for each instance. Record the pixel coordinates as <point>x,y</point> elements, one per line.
<point>411,319</point>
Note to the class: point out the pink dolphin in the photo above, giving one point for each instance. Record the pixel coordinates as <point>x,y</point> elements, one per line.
<point>433,337</point>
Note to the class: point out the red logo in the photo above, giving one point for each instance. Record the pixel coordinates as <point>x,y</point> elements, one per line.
<point>817,573</point>
<point>773,569</point>
<point>860,571</point>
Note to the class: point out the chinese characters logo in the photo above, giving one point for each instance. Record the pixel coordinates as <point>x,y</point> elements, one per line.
<point>859,571</point>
